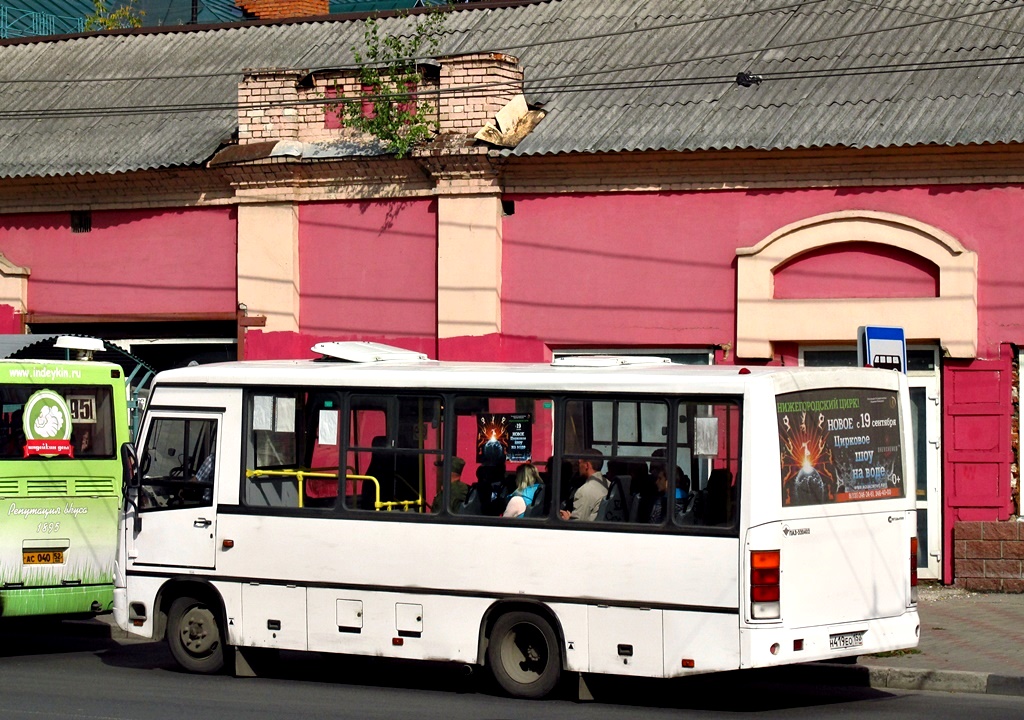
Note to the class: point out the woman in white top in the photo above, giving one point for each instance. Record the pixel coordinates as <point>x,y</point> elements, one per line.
<point>527,482</point>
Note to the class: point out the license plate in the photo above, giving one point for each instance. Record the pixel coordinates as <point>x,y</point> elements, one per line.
<point>42,557</point>
<point>844,641</point>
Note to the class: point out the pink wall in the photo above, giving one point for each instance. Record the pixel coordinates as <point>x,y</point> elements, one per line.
<point>133,261</point>
<point>659,268</point>
<point>857,270</point>
<point>10,321</point>
<point>368,268</point>
<point>260,345</point>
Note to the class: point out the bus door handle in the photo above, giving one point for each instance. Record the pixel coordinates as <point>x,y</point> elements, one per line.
<point>202,523</point>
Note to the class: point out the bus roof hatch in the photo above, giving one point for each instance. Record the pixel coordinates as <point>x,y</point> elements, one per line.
<point>366,352</point>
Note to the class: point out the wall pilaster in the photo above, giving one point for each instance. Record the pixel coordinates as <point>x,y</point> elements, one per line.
<point>268,263</point>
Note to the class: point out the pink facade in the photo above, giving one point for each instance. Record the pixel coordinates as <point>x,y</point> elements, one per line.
<point>368,268</point>
<point>615,270</point>
<point>659,268</point>
<point>175,261</point>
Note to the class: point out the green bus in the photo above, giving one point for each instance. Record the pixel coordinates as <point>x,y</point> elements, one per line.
<point>62,425</point>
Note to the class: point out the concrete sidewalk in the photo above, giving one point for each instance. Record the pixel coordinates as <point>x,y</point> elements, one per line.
<point>970,642</point>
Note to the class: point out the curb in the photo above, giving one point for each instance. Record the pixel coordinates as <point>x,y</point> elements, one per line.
<point>892,678</point>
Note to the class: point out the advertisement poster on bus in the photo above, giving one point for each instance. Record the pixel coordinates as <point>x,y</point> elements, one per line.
<point>840,445</point>
<point>502,437</point>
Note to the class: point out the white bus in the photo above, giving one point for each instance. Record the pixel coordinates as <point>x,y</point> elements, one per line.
<point>336,519</point>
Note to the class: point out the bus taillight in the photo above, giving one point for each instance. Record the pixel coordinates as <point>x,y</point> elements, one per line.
<point>765,575</point>
<point>913,569</point>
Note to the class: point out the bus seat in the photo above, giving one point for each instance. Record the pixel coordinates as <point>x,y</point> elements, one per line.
<point>716,509</point>
<point>381,466</point>
<point>538,508</point>
<point>634,507</point>
<point>614,507</point>
<point>319,488</point>
<point>471,505</point>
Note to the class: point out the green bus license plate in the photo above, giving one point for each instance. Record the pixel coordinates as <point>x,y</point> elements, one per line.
<point>42,557</point>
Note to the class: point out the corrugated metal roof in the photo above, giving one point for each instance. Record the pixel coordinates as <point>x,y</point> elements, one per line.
<point>12,345</point>
<point>612,75</point>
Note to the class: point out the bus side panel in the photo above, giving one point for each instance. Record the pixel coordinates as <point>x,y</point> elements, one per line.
<point>359,622</point>
<point>709,640</point>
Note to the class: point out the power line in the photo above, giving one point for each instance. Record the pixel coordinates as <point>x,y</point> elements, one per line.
<point>488,89</point>
<point>502,49</point>
<point>552,83</point>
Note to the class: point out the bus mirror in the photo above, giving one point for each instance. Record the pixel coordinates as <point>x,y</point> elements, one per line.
<point>129,466</point>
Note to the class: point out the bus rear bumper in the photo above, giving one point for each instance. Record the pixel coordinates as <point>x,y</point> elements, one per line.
<point>71,600</point>
<point>768,646</point>
<point>121,607</point>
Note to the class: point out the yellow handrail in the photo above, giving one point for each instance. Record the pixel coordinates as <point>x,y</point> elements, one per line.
<point>301,475</point>
<point>390,505</point>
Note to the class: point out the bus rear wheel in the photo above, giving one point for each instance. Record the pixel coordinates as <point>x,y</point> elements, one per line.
<point>524,656</point>
<point>194,636</point>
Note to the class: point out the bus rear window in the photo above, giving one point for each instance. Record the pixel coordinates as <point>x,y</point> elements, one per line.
<point>840,445</point>
<point>77,420</point>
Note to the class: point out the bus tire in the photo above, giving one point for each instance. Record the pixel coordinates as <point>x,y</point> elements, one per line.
<point>195,636</point>
<point>523,655</point>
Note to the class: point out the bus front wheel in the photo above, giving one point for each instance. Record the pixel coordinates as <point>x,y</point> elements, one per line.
<point>523,655</point>
<point>194,636</point>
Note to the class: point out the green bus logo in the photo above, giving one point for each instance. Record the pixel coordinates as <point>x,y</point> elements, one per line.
<point>47,425</point>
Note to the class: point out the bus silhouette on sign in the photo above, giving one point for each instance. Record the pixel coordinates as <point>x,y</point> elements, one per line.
<point>887,362</point>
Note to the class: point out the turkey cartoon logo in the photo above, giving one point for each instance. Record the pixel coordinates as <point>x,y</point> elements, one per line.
<point>47,425</point>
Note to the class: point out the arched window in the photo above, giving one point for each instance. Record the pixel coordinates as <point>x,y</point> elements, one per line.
<point>932,293</point>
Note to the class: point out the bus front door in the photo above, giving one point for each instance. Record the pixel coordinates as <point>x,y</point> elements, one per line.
<point>176,498</point>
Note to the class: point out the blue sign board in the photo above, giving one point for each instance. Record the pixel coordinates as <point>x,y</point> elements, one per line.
<point>882,347</point>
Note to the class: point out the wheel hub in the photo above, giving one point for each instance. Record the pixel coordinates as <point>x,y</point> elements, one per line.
<point>195,635</point>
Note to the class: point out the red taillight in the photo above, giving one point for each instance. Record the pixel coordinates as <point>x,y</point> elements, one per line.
<point>768,576</point>
<point>765,576</point>
<point>913,569</point>
<point>764,593</point>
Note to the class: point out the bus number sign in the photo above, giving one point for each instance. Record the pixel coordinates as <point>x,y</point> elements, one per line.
<point>83,408</point>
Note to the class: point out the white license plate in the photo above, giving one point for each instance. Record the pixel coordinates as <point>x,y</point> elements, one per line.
<point>844,641</point>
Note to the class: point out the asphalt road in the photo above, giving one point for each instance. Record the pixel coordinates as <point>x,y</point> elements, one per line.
<point>48,672</point>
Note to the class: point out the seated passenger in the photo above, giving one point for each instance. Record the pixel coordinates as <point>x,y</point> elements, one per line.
<point>527,482</point>
<point>459,489</point>
<point>660,506</point>
<point>587,499</point>
<point>490,486</point>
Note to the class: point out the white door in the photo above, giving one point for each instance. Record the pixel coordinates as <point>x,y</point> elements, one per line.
<point>926,409</point>
<point>176,501</point>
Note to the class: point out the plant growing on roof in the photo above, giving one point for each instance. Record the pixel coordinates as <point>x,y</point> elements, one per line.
<point>389,106</point>
<point>107,17</point>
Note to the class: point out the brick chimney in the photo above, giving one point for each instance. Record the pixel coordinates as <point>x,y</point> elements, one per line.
<point>276,9</point>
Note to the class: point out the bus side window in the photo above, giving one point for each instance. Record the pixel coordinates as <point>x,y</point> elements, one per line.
<point>496,435</point>
<point>393,453</point>
<point>709,440</point>
<point>178,464</point>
